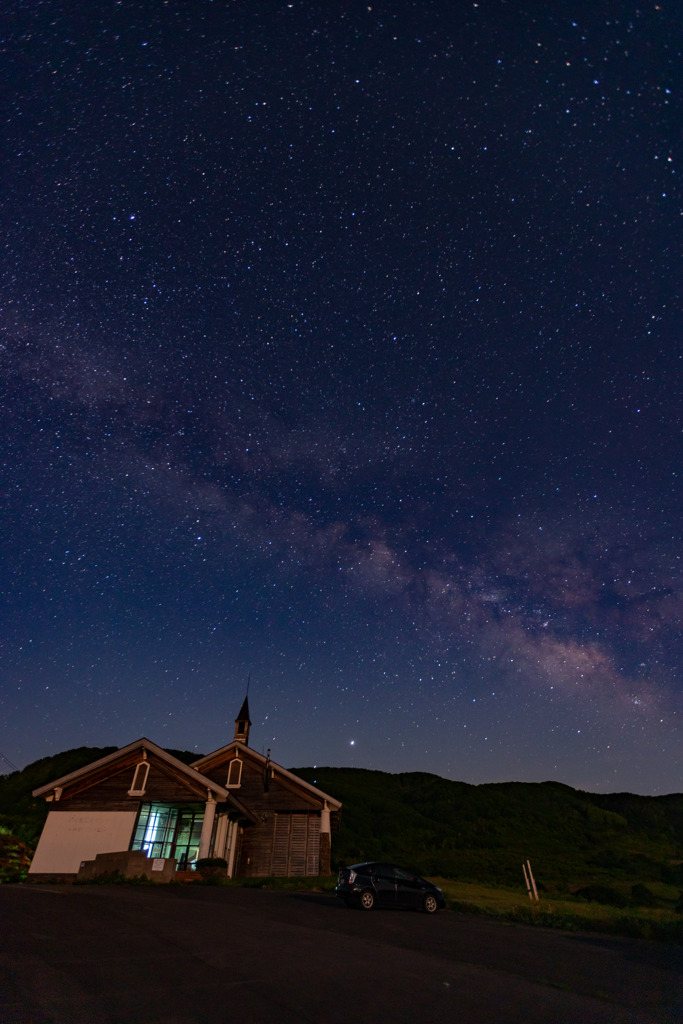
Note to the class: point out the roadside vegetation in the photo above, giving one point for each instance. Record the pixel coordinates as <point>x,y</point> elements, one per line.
<point>662,922</point>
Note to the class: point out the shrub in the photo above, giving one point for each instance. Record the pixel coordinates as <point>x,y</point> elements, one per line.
<point>672,874</point>
<point>643,896</point>
<point>213,870</point>
<point>15,859</point>
<point>603,894</point>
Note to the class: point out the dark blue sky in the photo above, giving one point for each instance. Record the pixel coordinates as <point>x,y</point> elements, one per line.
<point>341,347</point>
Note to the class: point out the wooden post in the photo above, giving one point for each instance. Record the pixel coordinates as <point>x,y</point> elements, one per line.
<point>531,876</point>
<point>526,879</point>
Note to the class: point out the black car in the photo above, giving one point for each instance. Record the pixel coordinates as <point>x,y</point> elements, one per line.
<point>387,885</point>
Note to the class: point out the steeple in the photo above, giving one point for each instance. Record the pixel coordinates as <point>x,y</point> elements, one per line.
<point>242,723</point>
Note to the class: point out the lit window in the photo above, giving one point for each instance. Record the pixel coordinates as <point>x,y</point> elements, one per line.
<point>169,830</point>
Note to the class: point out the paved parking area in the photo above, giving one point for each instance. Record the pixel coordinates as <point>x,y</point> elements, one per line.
<point>200,955</point>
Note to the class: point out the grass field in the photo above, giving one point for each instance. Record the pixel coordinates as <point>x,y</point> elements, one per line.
<point>573,914</point>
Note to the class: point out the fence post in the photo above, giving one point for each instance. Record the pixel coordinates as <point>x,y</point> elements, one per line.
<point>532,882</point>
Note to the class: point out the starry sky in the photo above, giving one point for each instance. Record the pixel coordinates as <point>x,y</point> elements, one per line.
<point>341,351</point>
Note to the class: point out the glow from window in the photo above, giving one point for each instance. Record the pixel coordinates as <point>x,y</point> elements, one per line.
<point>151,830</point>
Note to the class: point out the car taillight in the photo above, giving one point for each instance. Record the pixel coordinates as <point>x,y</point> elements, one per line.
<point>352,877</point>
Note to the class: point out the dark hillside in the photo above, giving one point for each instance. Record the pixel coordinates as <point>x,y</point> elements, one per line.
<point>484,833</point>
<point>646,814</point>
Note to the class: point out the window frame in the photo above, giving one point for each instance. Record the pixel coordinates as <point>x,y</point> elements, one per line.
<point>234,770</point>
<point>138,777</point>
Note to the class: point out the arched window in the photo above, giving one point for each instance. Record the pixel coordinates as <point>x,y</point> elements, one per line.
<point>234,774</point>
<point>139,779</point>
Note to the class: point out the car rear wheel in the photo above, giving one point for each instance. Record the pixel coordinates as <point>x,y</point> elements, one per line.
<point>367,899</point>
<point>430,904</point>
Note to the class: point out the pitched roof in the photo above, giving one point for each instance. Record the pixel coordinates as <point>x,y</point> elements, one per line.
<point>218,755</point>
<point>190,773</point>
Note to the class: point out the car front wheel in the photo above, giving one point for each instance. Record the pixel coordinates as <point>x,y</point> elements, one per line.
<point>367,900</point>
<point>430,904</point>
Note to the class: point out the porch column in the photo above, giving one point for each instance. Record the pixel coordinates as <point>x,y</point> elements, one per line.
<point>207,827</point>
<point>233,833</point>
<point>220,841</point>
<point>325,841</point>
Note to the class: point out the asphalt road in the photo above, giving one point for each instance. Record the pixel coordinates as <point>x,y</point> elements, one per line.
<point>200,955</point>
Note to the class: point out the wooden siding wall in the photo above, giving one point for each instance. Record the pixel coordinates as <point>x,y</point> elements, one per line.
<point>252,791</point>
<point>284,845</point>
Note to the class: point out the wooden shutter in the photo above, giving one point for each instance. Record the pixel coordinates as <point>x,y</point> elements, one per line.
<point>279,861</point>
<point>298,844</point>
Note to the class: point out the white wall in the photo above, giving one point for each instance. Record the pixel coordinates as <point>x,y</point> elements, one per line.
<point>72,836</point>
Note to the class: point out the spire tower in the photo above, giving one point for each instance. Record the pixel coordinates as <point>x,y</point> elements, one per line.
<point>242,724</point>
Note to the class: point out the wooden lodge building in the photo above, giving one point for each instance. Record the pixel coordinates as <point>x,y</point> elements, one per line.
<point>233,803</point>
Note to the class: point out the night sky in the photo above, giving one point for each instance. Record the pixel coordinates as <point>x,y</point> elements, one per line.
<point>341,350</point>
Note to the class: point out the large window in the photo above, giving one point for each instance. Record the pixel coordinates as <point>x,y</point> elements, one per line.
<point>169,830</point>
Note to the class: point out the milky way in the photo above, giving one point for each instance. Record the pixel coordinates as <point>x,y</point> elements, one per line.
<point>341,351</point>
